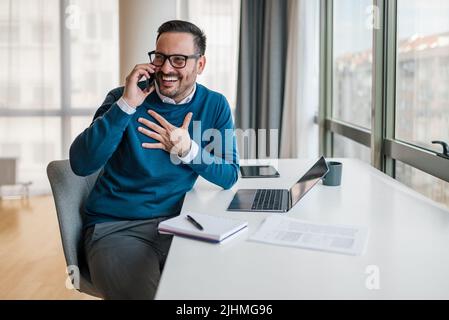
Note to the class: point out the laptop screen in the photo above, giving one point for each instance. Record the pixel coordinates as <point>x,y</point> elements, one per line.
<point>308,180</point>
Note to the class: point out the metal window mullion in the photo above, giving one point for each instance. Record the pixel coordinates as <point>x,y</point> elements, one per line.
<point>390,96</point>
<point>65,79</point>
<point>350,131</point>
<point>419,158</point>
<point>378,84</point>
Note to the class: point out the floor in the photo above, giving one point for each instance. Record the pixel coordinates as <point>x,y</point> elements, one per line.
<point>32,264</point>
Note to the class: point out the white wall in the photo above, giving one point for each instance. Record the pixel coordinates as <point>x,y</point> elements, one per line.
<point>139,21</point>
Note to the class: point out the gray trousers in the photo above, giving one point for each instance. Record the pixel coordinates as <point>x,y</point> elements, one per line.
<point>126,258</point>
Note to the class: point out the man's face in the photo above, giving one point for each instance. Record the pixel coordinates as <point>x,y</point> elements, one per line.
<point>173,82</point>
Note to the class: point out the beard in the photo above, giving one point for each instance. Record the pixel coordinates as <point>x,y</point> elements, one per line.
<point>177,90</point>
<point>169,92</point>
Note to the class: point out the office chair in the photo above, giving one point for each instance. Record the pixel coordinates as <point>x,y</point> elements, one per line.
<point>69,193</point>
<point>8,177</point>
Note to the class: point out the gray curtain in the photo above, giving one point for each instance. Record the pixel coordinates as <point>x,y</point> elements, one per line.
<point>261,73</point>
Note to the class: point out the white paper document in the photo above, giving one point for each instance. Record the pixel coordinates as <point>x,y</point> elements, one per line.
<point>309,235</point>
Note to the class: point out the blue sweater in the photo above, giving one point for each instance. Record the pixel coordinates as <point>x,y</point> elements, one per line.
<point>138,183</point>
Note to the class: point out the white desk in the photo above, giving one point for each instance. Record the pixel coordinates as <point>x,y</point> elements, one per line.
<point>409,243</point>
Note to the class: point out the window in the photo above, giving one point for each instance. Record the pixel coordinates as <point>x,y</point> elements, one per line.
<point>352,63</point>
<point>351,72</point>
<point>347,148</point>
<point>94,54</point>
<point>220,20</point>
<point>422,111</point>
<point>50,88</point>
<point>422,101</point>
<point>78,125</point>
<point>422,182</point>
<point>34,141</point>
<point>388,85</point>
<point>30,52</point>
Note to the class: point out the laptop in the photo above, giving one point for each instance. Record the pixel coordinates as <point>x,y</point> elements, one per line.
<point>278,200</point>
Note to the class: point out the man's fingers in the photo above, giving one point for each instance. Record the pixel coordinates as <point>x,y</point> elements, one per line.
<point>142,69</point>
<point>167,125</point>
<point>187,119</point>
<point>137,74</point>
<point>146,66</point>
<point>153,146</point>
<point>151,134</point>
<point>152,126</point>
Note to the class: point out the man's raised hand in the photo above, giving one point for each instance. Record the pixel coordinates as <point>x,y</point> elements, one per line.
<point>171,139</point>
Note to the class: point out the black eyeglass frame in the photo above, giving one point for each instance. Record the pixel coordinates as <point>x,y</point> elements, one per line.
<point>192,56</point>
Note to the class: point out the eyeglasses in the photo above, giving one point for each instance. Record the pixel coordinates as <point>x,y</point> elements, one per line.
<point>177,61</point>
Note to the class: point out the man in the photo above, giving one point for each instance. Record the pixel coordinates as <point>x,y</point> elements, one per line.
<point>135,137</point>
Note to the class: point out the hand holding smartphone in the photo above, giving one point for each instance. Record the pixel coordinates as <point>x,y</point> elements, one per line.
<point>133,94</point>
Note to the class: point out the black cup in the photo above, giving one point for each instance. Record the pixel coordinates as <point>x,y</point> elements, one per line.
<point>333,177</point>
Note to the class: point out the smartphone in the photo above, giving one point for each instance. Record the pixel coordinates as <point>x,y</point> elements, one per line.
<point>150,81</point>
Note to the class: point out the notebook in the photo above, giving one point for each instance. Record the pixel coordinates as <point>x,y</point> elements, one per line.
<point>215,228</point>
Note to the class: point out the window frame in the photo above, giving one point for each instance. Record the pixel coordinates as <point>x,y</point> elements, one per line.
<point>385,148</point>
<point>66,112</point>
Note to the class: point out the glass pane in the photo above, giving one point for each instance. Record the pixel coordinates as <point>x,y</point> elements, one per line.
<point>220,20</point>
<point>347,148</point>
<point>94,50</point>
<point>352,62</point>
<point>78,125</point>
<point>29,54</point>
<point>34,141</point>
<point>422,182</point>
<point>422,107</point>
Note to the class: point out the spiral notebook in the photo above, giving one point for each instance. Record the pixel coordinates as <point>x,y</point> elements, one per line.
<point>215,228</point>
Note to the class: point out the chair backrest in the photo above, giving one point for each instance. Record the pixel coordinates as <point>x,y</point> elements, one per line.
<point>7,171</point>
<point>69,192</point>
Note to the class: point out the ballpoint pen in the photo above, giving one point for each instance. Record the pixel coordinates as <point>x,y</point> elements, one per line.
<point>194,222</point>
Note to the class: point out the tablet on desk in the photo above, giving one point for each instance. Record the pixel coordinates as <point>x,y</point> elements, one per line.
<point>258,172</point>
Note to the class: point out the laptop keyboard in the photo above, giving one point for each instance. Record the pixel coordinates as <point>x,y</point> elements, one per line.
<point>268,199</point>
